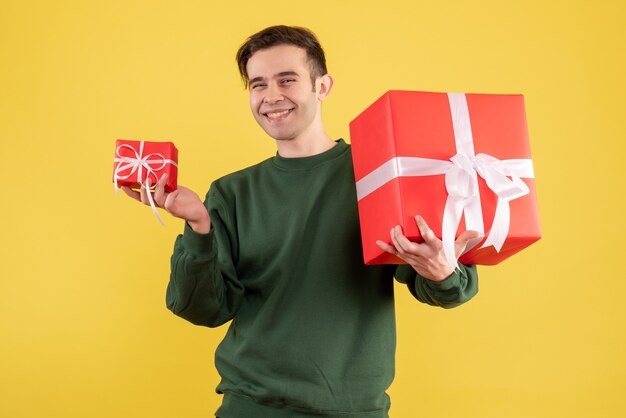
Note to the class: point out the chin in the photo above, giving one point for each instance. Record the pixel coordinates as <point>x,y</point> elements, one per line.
<point>279,136</point>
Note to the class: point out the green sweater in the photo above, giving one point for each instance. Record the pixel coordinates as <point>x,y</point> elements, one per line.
<point>313,328</point>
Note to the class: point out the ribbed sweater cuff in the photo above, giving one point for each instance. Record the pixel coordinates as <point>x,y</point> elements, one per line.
<point>452,281</point>
<point>198,244</point>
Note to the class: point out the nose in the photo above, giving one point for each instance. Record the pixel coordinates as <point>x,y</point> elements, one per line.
<point>273,94</point>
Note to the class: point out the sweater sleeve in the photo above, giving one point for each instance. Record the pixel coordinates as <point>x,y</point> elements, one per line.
<point>203,287</point>
<point>453,291</point>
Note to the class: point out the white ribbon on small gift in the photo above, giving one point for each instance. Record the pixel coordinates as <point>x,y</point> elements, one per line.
<point>461,180</point>
<point>137,164</point>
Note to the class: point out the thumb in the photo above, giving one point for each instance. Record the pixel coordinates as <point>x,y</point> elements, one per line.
<point>169,201</point>
<point>463,239</point>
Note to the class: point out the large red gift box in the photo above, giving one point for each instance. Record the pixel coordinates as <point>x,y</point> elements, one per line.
<point>138,161</point>
<point>461,161</point>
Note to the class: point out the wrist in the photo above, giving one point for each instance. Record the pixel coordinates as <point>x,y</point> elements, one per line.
<point>202,225</point>
<point>438,275</point>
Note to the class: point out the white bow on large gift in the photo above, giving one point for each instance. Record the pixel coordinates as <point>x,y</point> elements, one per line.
<point>503,177</point>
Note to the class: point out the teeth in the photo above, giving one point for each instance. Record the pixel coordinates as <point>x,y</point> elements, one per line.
<point>277,114</point>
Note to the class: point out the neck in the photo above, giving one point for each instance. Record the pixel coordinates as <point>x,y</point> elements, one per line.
<point>304,146</point>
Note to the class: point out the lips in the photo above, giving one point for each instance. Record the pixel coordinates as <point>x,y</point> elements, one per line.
<point>276,115</point>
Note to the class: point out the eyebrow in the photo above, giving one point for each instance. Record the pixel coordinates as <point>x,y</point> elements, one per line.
<point>281,74</point>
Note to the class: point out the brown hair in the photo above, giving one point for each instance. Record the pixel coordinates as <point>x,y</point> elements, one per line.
<point>283,35</point>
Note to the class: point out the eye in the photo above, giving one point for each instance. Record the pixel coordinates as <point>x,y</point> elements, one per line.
<point>257,86</point>
<point>287,81</point>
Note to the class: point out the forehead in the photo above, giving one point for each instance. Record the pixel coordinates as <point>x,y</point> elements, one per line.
<point>280,58</point>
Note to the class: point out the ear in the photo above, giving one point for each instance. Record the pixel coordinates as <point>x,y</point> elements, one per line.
<point>323,87</point>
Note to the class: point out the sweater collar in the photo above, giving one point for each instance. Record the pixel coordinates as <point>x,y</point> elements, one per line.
<point>303,163</point>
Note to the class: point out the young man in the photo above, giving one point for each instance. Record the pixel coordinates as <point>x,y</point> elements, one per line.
<point>275,249</point>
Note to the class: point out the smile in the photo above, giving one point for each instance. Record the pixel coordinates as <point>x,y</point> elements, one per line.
<point>278,115</point>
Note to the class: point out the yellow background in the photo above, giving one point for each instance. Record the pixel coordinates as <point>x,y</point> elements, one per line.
<point>84,328</point>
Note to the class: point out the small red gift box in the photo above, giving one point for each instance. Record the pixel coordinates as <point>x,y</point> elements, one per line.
<point>138,161</point>
<point>461,161</point>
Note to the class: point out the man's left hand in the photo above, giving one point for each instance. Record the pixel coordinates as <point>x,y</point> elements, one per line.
<point>428,257</point>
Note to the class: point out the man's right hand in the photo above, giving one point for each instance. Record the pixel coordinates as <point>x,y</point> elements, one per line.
<point>182,203</point>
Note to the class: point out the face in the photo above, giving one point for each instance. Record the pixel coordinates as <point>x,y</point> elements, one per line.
<point>282,98</point>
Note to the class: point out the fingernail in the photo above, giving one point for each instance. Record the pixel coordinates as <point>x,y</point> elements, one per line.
<point>418,218</point>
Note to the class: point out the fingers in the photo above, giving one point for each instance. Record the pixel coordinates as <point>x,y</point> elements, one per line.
<point>131,193</point>
<point>402,243</point>
<point>467,236</point>
<point>404,249</point>
<point>464,239</point>
<point>398,240</point>
<point>168,203</point>
<point>427,234</point>
<point>143,192</point>
<point>386,247</point>
<point>159,191</point>
<point>159,194</point>
<point>407,249</point>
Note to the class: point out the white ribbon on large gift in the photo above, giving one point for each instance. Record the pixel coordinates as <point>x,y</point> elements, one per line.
<point>136,165</point>
<point>503,177</point>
